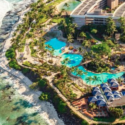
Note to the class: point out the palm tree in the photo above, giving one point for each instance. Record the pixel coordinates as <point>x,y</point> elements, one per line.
<point>92,106</point>
<point>89,79</point>
<point>70,38</point>
<point>65,61</point>
<point>66,4</point>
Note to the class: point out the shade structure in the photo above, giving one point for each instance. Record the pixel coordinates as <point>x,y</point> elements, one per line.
<point>123,93</point>
<point>104,85</point>
<point>92,99</point>
<point>111,80</point>
<point>110,98</point>
<point>117,96</point>
<point>95,93</point>
<point>101,103</point>
<point>100,97</point>
<point>96,89</point>
<point>106,89</point>
<point>108,94</point>
<point>114,84</point>
<point>115,93</point>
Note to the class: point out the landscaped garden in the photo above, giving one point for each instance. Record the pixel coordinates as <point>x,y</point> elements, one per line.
<point>69,66</point>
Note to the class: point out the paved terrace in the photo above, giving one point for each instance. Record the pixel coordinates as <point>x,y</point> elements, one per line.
<point>84,7</point>
<point>120,11</point>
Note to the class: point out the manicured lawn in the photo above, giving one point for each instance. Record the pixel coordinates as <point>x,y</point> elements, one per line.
<point>110,119</point>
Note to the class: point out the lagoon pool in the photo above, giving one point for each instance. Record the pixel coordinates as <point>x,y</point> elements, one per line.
<point>74,59</point>
<point>101,77</point>
<point>72,4</point>
<point>56,45</point>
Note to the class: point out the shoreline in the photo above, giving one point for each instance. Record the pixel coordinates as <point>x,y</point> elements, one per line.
<point>48,113</point>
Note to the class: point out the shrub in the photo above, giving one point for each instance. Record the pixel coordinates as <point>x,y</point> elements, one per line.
<point>62,107</point>
<point>44,97</point>
<point>49,74</point>
<point>116,112</point>
<point>25,70</point>
<point>13,64</point>
<point>50,61</point>
<point>33,85</point>
<point>26,63</point>
<point>84,122</point>
<point>42,83</point>
<point>10,53</point>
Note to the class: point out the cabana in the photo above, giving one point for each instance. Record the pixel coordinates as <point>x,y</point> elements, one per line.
<point>92,99</point>
<point>101,103</point>
<point>111,80</point>
<point>123,93</point>
<point>110,98</point>
<point>96,89</point>
<point>106,89</point>
<point>95,93</point>
<point>100,97</point>
<point>108,94</point>
<point>117,96</point>
<point>104,85</point>
<point>114,85</point>
<point>115,93</point>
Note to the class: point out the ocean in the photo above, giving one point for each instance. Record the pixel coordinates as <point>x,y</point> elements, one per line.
<point>14,109</point>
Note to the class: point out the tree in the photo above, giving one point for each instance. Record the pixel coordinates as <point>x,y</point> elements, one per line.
<point>116,112</point>
<point>101,49</point>
<point>42,83</point>
<point>61,107</point>
<point>122,37</point>
<point>44,97</point>
<point>86,44</point>
<point>66,61</point>
<point>82,34</point>
<point>70,38</point>
<point>122,26</point>
<point>92,106</point>
<point>89,79</point>
<point>94,31</point>
<point>111,27</point>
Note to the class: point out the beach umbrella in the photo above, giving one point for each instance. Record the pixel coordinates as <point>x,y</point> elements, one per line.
<point>92,99</point>
<point>101,103</point>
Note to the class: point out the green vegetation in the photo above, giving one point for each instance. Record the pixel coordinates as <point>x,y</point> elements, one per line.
<point>116,112</point>
<point>111,119</point>
<point>102,49</point>
<point>10,53</point>
<point>44,97</point>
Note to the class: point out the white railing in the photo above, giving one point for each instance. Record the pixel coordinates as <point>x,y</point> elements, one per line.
<point>118,8</point>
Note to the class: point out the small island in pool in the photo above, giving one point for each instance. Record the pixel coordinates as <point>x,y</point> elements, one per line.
<point>77,68</point>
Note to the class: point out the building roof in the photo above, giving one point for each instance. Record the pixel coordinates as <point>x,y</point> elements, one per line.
<point>101,103</point>
<point>108,93</point>
<point>111,80</point>
<point>110,97</point>
<point>95,93</point>
<point>100,97</point>
<point>114,84</point>
<point>104,85</point>
<point>123,93</point>
<point>96,89</point>
<point>115,93</point>
<point>106,89</point>
<point>117,96</point>
<point>92,99</point>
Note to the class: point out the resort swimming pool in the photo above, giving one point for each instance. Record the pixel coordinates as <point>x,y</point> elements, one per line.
<point>56,45</point>
<point>72,4</point>
<point>75,59</point>
<point>100,77</point>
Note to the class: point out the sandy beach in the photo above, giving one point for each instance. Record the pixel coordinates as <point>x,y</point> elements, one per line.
<point>21,84</point>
